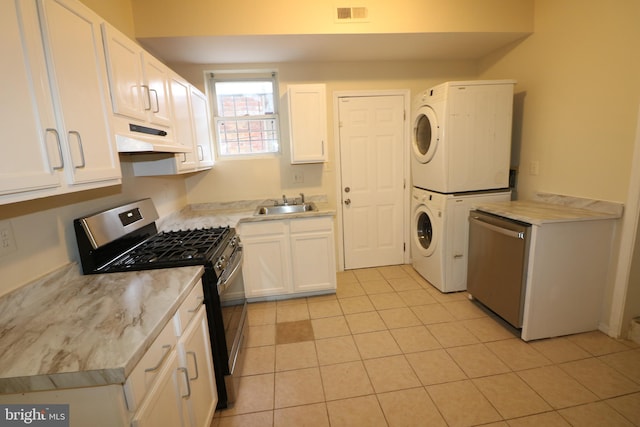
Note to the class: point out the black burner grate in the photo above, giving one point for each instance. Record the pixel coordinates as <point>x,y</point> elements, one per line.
<point>173,249</point>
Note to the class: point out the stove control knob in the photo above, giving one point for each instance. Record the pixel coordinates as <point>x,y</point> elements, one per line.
<point>219,265</point>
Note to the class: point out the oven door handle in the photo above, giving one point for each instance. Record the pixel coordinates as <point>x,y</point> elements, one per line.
<point>226,279</point>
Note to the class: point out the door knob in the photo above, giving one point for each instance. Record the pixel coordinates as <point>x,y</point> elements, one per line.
<point>347,202</point>
<point>347,189</point>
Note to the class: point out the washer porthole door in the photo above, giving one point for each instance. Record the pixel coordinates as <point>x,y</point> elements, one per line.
<point>426,134</point>
<point>424,232</point>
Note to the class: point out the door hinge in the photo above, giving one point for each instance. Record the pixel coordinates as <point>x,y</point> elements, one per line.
<point>404,247</point>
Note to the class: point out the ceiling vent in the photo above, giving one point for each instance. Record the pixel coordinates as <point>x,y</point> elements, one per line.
<point>352,14</point>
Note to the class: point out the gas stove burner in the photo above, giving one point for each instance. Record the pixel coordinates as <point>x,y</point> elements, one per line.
<point>173,249</point>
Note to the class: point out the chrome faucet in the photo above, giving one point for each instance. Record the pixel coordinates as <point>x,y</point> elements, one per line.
<point>284,200</point>
<point>302,198</point>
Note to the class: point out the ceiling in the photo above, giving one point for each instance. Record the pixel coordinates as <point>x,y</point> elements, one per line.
<point>327,47</point>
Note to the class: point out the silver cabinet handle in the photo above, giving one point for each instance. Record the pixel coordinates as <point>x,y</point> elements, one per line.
<point>55,132</point>
<point>195,364</point>
<point>167,350</point>
<point>186,377</point>
<point>155,93</point>
<point>77,134</point>
<point>148,95</point>
<point>503,231</point>
<point>200,152</point>
<point>194,309</point>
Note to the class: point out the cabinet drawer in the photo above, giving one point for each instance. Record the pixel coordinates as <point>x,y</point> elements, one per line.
<point>263,227</point>
<point>311,224</point>
<point>146,371</point>
<point>189,308</point>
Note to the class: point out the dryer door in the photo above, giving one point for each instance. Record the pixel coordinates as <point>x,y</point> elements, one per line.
<point>426,134</point>
<point>425,232</point>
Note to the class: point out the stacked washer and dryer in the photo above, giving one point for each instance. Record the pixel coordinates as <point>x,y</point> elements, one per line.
<point>460,158</point>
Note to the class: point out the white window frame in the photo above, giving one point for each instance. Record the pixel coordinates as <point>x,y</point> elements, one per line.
<point>247,76</point>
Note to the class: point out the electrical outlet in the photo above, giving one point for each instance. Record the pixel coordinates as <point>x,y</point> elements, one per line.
<point>7,241</point>
<point>298,177</point>
<point>534,168</point>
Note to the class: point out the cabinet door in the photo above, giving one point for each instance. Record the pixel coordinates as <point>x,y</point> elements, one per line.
<point>182,122</point>
<point>76,66</point>
<point>26,112</point>
<point>265,267</point>
<point>195,353</point>
<point>201,129</point>
<point>308,123</point>
<point>162,405</point>
<point>157,78</point>
<point>313,259</point>
<point>124,66</point>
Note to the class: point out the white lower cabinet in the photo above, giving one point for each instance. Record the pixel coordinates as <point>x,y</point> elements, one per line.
<point>172,385</point>
<point>194,354</point>
<point>288,257</point>
<point>161,407</point>
<point>184,392</point>
<point>313,261</point>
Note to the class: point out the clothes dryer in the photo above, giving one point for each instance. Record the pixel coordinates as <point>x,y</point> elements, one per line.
<point>462,136</point>
<point>440,234</point>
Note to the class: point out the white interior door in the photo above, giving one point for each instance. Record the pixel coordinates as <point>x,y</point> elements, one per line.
<point>371,151</point>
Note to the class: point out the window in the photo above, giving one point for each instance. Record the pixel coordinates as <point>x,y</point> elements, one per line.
<point>245,110</point>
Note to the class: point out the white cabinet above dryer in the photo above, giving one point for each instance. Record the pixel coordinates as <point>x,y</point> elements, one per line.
<point>308,123</point>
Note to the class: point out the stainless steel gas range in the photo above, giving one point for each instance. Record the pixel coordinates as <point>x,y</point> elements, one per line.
<point>126,238</point>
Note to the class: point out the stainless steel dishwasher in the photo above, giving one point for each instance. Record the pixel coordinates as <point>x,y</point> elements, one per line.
<point>498,255</point>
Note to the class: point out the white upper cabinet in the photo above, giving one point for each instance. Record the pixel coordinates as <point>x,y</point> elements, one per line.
<point>26,107</point>
<point>308,123</point>
<point>139,83</point>
<point>76,64</point>
<point>201,128</point>
<point>191,129</point>
<point>157,80</point>
<point>54,102</point>
<point>180,100</point>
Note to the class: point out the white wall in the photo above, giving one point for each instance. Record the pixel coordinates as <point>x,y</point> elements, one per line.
<point>578,77</point>
<point>577,99</point>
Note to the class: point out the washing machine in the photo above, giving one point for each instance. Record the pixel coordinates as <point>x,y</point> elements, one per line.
<point>462,136</point>
<point>440,234</point>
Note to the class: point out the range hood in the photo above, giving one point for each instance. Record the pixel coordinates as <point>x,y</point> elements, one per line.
<point>141,139</point>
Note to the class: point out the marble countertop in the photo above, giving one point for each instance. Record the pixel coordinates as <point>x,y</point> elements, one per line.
<point>540,212</point>
<point>231,214</point>
<point>67,330</point>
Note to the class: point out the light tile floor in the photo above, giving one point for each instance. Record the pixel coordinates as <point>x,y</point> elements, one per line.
<point>390,350</point>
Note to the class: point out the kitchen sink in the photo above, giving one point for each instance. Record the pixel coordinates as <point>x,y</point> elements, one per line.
<point>285,209</point>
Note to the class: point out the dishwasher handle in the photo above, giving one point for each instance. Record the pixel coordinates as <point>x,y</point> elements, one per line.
<point>504,231</point>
